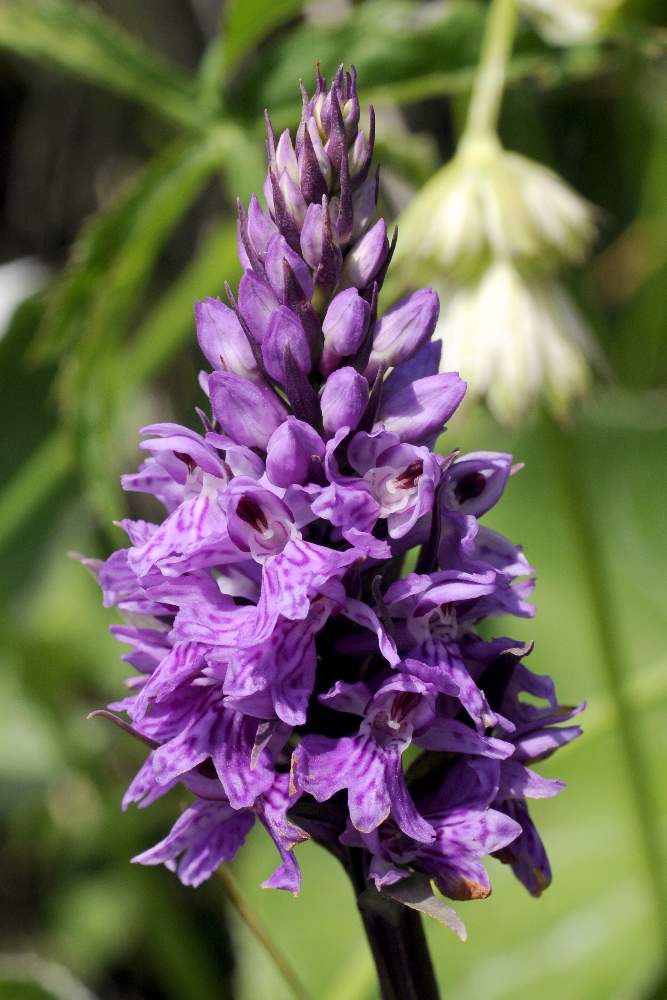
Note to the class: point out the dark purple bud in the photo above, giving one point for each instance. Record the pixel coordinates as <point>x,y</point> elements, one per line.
<point>300,393</point>
<point>277,252</point>
<point>282,213</point>
<point>285,328</point>
<point>359,360</point>
<point>257,302</point>
<point>344,328</point>
<point>363,156</point>
<point>260,228</point>
<point>247,412</point>
<point>366,257</point>
<point>403,330</point>
<point>222,339</point>
<point>336,146</point>
<point>350,105</point>
<point>343,401</point>
<point>418,412</point>
<point>313,184</point>
<point>380,276</point>
<point>345,215</point>
<point>294,449</point>
<point>364,204</point>
<point>247,253</point>
<point>270,141</point>
<point>319,248</point>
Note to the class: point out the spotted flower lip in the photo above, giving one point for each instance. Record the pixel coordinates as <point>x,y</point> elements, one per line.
<point>283,659</point>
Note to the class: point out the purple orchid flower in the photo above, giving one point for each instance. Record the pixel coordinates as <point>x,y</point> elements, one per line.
<point>284,663</point>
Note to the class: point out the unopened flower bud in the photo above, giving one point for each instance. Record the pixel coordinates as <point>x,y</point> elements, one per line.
<point>222,339</point>
<point>344,328</point>
<point>344,399</point>
<point>403,330</point>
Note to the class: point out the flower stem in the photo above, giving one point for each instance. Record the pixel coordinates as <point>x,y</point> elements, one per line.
<point>574,483</point>
<point>397,942</point>
<point>489,80</point>
<point>260,933</point>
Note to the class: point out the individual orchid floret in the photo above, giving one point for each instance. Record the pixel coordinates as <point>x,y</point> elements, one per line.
<point>287,668</point>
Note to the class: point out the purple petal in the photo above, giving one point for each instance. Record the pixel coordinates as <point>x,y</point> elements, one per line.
<point>295,453</point>
<point>279,251</point>
<point>403,809</point>
<point>403,330</point>
<point>257,302</point>
<point>206,835</point>
<point>366,257</point>
<point>249,413</point>
<point>285,328</point>
<point>519,782</point>
<point>476,481</point>
<point>343,400</point>
<point>418,412</point>
<point>451,736</point>
<point>344,328</point>
<point>222,339</point>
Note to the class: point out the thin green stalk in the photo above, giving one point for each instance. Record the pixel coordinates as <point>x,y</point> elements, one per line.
<point>489,81</point>
<point>575,487</point>
<point>260,933</point>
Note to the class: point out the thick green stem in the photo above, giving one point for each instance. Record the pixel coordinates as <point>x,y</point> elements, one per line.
<point>397,942</point>
<point>581,510</point>
<point>489,82</point>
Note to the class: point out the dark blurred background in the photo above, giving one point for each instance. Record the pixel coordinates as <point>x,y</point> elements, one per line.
<point>126,132</point>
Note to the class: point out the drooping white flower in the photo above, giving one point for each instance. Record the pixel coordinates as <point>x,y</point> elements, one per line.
<point>514,338</point>
<point>489,202</point>
<point>567,22</point>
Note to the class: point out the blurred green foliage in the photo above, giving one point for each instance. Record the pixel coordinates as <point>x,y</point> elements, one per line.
<point>109,345</point>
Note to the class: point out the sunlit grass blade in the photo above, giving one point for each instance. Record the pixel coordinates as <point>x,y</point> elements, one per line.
<point>41,473</point>
<point>79,39</point>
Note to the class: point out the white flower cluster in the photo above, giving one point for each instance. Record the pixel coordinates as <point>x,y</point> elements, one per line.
<point>495,228</point>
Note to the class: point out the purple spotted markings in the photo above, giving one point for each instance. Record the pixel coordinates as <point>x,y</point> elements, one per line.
<point>287,670</point>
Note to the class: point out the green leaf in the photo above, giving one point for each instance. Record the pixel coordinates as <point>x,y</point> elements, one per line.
<point>416,893</point>
<point>81,40</point>
<point>41,473</point>
<point>248,22</point>
<point>113,255</point>
<point>170,323</point>
<point>402,53</point>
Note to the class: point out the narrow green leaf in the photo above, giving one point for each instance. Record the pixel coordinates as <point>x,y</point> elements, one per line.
<point>190,164</point>
<point>402,55</point>
<point>80,39</point>
<point>100,240</point>
<point>250,21</point>
<point>171,321</point>
<point>37,478</point>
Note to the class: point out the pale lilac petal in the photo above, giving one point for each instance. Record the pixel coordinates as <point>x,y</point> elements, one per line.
<point>204,836</point>
<point>519,782</point>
